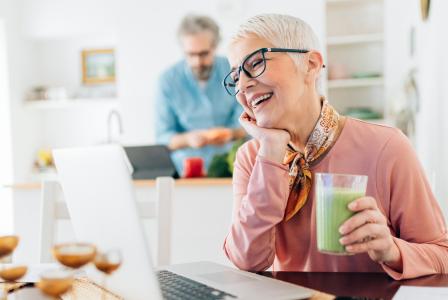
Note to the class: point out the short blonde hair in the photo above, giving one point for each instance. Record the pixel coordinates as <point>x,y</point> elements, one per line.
<point>282,31</point>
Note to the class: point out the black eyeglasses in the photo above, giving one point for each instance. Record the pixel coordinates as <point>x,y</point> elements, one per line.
<point>253,66</point>
<point>201,54</point>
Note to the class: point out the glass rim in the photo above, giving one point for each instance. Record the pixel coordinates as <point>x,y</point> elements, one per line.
<point>340,174</point>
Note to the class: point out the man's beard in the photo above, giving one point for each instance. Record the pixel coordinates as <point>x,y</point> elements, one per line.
<point>202,72</point>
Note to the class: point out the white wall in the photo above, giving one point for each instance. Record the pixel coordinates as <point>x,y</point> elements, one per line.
<point>6,169</point>
<point>18,133</point>
<point>62,18</point>
<point>430,60</point>
<point>58,61</point>
<point>397,43</point>
<point>26,126</point>
<point>432,122</point>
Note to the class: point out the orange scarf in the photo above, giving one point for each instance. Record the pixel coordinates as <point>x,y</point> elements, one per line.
<point>321,139</point>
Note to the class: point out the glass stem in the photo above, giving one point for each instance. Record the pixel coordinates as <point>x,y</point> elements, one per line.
<point>103,294</point>
<point>5,292</point>
<point>5,288</point>
<point>74,286</point>
<point>74,283</point>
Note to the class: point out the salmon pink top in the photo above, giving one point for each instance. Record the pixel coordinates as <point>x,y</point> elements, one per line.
<point>258,236</point>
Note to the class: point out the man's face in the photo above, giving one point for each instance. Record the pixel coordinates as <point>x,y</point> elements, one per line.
<point>199,51</point>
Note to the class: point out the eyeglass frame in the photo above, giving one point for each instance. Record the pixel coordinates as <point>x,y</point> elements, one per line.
<point>200,54</point>
<point>263,51</point>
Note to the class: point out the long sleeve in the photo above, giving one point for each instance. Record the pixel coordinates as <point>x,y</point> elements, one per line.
<point>165,120</point>
<point>260,196</point>
<point>414,214</point>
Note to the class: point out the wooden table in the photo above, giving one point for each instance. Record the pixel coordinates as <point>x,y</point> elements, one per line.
<point>367,285</point>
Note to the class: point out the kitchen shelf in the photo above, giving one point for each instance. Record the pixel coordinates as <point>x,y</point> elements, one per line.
<point>70,103</point>
<point>355,82</point>
<point>355,39</point>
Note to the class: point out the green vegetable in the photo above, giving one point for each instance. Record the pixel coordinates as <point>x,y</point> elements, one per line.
<point>222,164</point>
<point>219,166</point>
<point>232,154</point>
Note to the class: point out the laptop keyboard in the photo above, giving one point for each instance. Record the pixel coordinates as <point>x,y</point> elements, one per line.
<point>177,287</point>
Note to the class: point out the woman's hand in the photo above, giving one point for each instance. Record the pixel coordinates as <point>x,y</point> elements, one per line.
<point>367,231</point>
<point>273,142</point>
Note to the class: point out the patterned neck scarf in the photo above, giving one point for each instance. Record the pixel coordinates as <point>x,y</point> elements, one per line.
<point>321,139</point>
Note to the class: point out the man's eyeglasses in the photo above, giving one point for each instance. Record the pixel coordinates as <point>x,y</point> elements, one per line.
<point>201,54</point>
<point>253,66</point>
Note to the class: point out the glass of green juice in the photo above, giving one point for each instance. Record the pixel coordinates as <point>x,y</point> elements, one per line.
<point>333,194</point>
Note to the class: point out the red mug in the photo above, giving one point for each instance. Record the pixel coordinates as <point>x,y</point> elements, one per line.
<point>193,167</point>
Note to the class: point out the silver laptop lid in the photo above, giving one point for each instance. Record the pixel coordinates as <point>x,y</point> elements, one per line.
<point>100,199</point>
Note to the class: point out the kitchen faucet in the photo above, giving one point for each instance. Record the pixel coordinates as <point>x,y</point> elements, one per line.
<point>113,113</point>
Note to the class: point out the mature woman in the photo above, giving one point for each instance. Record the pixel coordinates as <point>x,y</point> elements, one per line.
<point>397,228</point>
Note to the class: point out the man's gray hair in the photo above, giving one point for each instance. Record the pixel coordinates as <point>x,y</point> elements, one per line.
<point>194,24</point>
<point>282,31</point>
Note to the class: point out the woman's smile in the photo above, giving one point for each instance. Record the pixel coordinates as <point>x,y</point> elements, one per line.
<point>259,98</point>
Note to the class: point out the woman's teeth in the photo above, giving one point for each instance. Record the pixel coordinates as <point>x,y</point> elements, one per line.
<point>255,102</point>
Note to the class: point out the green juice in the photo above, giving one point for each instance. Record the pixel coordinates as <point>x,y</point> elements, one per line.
<point>332,211</point>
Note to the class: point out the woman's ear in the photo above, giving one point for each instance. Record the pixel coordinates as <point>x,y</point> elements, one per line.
<point>315,64</point>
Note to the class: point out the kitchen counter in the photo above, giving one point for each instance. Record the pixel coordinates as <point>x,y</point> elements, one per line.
<point>140,183</point>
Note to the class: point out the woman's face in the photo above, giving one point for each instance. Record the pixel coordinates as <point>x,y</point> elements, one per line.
<point>283,85</point>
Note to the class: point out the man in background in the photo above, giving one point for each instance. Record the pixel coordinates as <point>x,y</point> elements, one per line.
<point>194,116</point>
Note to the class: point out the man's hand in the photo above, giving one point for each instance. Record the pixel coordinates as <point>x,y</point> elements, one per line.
<point>200,138</point>
<point>219,135</point>
<point>196,138</point>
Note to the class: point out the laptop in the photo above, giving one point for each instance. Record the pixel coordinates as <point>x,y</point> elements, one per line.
<point>150,161</point>
<point>100,198</point>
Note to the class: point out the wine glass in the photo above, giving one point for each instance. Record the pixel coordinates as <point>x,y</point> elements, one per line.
<point>8,244</point>
<point>13,273</point>
<point>10,274</point>
<point>54,283</point>
<point>107,263</point>
<point>74,255</point>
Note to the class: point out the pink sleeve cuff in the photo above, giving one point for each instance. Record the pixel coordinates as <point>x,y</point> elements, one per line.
<point>417,261</point>
<point>391,272</point>
<point>264,160</point>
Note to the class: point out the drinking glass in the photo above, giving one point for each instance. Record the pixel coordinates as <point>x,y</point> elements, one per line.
<point>74,255</point>
<point>333,194</point>
<point>8,244</point>
<point>54,283</point>
<point>107,262</point>
<point>10,274</point>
